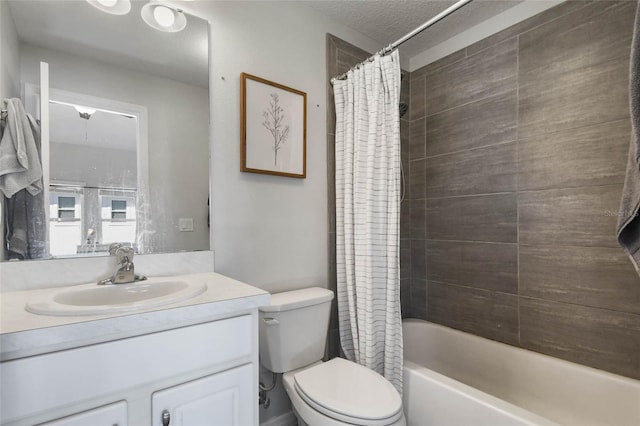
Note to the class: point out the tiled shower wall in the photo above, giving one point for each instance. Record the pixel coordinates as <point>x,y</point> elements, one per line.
<point>340,57</point>
<point>518,146</point>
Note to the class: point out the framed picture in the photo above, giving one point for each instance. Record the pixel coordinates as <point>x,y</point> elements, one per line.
<point>273,133</point>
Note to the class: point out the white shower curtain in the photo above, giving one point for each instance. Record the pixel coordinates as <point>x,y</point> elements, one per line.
<point>368,216</point>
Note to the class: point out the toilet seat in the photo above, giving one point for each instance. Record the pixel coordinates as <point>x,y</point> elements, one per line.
<point>350,393</point>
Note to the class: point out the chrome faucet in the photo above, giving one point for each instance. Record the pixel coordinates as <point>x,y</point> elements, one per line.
<point>124,272</point>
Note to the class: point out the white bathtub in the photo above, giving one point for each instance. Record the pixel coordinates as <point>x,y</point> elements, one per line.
<point>456,378</point>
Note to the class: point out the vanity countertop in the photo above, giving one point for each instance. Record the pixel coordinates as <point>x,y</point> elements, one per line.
<point>25,334</point>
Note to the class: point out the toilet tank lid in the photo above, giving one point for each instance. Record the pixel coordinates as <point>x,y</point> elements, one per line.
<point>289,300</point>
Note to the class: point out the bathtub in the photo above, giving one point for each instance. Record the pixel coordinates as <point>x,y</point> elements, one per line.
<point>456,378</point>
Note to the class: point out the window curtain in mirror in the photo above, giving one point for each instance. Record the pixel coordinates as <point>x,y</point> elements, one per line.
<point>368,216</point>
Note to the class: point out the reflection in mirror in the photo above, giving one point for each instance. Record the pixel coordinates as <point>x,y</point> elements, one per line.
<point>127,153</point>
<point>93,205</point>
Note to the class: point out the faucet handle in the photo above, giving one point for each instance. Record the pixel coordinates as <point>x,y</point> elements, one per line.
<point>113,248</point>
<point>124,273</point>
<point>124,254</point>
<point>120,250</point>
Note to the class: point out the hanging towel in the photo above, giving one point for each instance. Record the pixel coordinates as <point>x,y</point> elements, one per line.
<point>25,218</point>
<point>628,229</point>
<point>25,233</point>
<point>20,166</point>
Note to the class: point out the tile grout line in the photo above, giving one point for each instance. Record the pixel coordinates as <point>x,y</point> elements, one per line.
<point>426,251</point>
<point>467,286</point>
<point>561,188</point>
<point>466,55</point>
<point>484,194</point>
<point>437,68</point>
<point>524,31</point>
<point>576,246</point>
<point>409,199</point>
<point>499,92</point>
<point>470,287</point>
<point>587,126</point>
<point>518,183</point>
<point>462,151</point>
<point>592,18</point>
<point>440,240</point>
<point>517,138</point>
<point>576,128</point>
<point>518,192</point>
<point>580,306</point>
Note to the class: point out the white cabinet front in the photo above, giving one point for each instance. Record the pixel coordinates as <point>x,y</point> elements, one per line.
<point>109,415</point>
<point>89,376</point>
<point>213,400</point>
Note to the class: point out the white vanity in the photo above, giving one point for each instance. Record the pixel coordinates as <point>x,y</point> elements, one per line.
<point>194,362</point>
<point>119,129</point>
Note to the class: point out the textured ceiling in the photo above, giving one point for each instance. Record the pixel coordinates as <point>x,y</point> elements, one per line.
<point>76,27</point>
<point>388,20</point>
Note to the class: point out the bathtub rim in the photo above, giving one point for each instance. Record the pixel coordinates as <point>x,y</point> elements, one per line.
<point>590,396</point>
<point>504,407</point>
<point>569,364</point>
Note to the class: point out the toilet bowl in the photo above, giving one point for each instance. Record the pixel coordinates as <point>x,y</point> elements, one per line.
<point>341,392</point>
<point>293,331</point>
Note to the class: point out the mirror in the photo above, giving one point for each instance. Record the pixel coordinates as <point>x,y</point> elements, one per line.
<point>126,158</point>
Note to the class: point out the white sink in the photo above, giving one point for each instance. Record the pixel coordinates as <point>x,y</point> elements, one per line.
<point>93,299</point>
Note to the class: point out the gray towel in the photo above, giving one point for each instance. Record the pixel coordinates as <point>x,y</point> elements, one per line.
<point>25,221</point>
<point>26,232</point>
<point>20,166</point>
<point>628,228</point>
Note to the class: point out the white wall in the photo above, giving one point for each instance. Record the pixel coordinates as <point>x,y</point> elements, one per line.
<point>178,137</point>
<point>269,231</point>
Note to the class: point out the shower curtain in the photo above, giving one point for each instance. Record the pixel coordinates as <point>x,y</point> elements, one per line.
<point>368,216</point>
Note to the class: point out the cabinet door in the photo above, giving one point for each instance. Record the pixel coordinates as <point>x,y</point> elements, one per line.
<point>109,415</point>
<point>225,399</point>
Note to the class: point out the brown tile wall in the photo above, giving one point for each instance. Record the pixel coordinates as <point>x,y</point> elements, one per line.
<point>340,57</point>
<point>516,155</point>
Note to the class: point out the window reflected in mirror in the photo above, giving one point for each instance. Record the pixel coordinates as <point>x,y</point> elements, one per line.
<point>94,177</point>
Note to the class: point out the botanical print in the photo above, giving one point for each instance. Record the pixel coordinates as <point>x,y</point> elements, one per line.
<point>273,128</point>
<point>274,123</point>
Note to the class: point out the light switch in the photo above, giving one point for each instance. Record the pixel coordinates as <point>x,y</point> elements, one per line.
<point>185,224</point>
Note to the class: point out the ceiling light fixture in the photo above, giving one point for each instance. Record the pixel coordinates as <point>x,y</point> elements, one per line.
<point>85,112</point>
<point>163,18</point>
<point>114,7</point>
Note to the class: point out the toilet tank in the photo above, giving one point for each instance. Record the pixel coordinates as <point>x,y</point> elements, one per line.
<point>293,328</point>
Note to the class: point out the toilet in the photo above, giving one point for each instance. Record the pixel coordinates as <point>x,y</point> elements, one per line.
<point>293,331</point>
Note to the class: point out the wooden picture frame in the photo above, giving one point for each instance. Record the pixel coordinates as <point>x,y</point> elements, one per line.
<point>273,128</point>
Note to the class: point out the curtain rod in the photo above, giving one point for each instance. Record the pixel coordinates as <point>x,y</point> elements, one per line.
<point>448,11</point>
